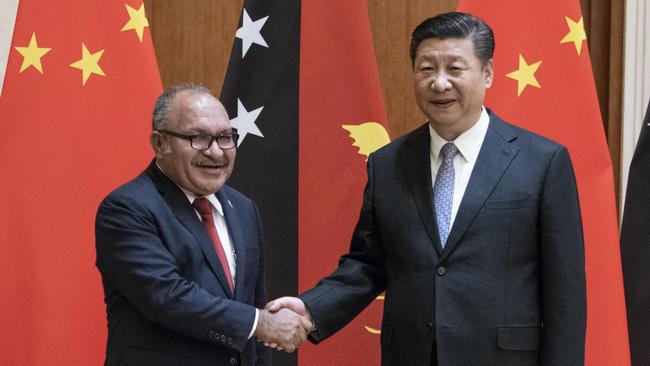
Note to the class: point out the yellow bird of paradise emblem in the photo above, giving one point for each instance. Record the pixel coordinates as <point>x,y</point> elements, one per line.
<point>368,137</point>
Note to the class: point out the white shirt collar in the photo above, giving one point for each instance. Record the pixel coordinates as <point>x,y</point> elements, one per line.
<point>191,196</point>
<point>468,143</point>
<point>211,198</point>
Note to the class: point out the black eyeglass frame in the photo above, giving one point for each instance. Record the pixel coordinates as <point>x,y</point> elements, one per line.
<point>214,138</point>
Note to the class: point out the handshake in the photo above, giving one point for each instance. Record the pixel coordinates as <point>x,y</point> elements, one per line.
<point>283,324</point>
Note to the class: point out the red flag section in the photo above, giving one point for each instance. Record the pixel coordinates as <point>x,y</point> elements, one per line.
<point>342,120</point>
<point>543,82</point>
<point>80,84</point>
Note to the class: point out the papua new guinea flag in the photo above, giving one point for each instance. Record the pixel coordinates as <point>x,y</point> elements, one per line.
<point>303,90</point>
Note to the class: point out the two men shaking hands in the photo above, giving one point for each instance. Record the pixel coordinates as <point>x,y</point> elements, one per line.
<point>470,225</point>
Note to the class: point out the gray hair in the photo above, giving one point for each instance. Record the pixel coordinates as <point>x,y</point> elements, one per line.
<point>160,115</point>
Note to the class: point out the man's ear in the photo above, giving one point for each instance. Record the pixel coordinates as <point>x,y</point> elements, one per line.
<point>157,142</point>
<point>489,73</point>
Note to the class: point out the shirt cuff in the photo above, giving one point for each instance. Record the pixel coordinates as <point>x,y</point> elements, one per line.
<point>257,315</point>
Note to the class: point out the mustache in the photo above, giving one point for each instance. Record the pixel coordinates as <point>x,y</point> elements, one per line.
<point>213,162</point>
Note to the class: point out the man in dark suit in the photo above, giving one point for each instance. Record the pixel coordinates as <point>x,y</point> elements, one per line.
<point>180,252</point>
<point>470,225</point>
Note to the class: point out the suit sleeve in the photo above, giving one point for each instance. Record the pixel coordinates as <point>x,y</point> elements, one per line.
<point>562,266</point>
<point>263,353</point>
<point>133,259</point>
<point>359,278</point>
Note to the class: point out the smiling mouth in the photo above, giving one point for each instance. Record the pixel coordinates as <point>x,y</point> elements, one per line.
<point>443,103</point>
<point>211,166</point>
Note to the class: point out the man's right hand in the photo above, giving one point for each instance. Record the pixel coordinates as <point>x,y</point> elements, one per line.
<point>294,304</point>
<point>288,302</point>
<point>283,329</point>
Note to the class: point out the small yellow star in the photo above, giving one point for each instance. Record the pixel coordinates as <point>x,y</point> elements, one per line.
<point>525,75</point>
<point>576,33</point>
<point>32,55</point>
<point>89,63</point>
<point>137,21</point>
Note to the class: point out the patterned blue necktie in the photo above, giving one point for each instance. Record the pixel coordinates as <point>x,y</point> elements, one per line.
<point>443,191</point>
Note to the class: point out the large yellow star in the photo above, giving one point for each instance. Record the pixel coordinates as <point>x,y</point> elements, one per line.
<point>525,75</point>
<point>576,33</point>
<point>89,63</point>
<point>32,55</point>
<point>137,21</point>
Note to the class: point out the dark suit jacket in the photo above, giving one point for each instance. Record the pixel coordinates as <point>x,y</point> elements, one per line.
<point>509,286</point>
<point>167,298</point>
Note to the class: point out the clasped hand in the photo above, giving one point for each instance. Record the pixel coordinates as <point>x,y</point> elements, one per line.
<point>283,324</point>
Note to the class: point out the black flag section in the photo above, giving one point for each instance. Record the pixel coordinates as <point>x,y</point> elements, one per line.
<point>260,92</point>
<point>635,249</point>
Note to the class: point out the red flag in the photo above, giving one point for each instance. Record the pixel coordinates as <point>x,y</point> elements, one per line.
<point>543,82</point>
<point>80,84</point>
<point>342,120</point>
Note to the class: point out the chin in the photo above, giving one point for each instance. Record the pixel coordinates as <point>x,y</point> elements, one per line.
<point>443,122</point>
<point>444,117</point>
<point>205,189</point>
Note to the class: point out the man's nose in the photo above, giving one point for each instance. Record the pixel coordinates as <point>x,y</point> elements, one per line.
<point>440,82</point>
<point>214,150</point>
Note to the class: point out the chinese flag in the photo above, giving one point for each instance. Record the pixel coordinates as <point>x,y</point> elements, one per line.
<point>80,84</point>
<point>543,82</point>
<point>303,89</point>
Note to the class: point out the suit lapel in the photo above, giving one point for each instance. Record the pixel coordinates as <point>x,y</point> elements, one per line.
<point>185,213</point>
<point>495,156</point>
<point>416,166</point>
<point>236,238</point>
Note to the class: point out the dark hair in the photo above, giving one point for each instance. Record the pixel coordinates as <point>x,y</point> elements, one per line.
<point>160,114</point>
<point>456,25</point>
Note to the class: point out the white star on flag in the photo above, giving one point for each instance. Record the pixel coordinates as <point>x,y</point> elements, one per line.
<point>249,33</point>
<point>245,122</point>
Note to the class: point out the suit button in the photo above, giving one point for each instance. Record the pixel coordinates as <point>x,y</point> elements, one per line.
<point>211,334</point>
<point>429,327</point>
<point>229,341</point>
<point>441,271</point>
<point>233,361</point>
<point>223,338</point>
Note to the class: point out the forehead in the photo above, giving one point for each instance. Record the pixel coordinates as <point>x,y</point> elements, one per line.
<point>448,48</point>
<point>200,111</point>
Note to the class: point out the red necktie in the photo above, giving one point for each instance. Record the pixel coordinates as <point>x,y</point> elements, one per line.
<point>204,208</point>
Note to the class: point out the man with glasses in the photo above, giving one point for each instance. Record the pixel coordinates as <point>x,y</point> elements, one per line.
<point>180,252</point>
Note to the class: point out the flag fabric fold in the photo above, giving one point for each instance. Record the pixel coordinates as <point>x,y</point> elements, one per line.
<point>543,82</point>
<point>79,88</point>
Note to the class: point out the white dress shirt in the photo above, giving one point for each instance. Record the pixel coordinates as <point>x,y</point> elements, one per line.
<point>469,144</point>
<point>222,229</point>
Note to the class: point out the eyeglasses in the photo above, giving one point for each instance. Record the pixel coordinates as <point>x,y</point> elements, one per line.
<point>203,141</point>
